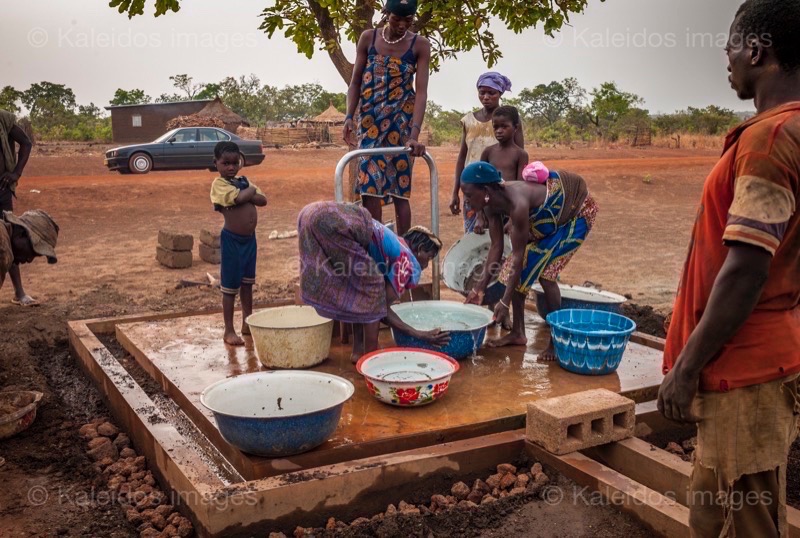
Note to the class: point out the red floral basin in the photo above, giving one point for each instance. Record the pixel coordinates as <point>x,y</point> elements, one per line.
<point>407,377</point>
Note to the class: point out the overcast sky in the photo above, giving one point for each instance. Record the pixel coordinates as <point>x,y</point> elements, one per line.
<point>667,51</point>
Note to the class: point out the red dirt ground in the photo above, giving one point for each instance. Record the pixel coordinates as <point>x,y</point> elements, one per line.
<point>109,224</point>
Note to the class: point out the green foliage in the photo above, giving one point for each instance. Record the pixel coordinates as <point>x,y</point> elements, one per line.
<point>49,105</point>
<point>129,97</point>
<point>171,98</point>
<point>9,97</point>
<point>209,91</point>
<point>186,84</point>
<point>258,103</point>
<point>445,125</point>
<point>46,98</point>
<point>136,7</point>
<point>452,26</point>
<point>711,120</point>
<point>87,125</point>
<point>552,102</point>
<point>561,132</point>
<point>608,105</point>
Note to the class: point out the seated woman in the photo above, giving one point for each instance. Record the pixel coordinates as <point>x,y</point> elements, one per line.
<point>352,268</point>
<point>549,222</point>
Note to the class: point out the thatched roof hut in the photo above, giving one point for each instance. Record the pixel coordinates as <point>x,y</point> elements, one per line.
<point>331,116</point>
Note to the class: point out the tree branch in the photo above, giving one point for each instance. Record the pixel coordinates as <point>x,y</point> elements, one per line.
<point>330,37</point>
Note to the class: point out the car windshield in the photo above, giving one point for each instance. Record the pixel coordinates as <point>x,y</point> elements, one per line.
<point>166,136</point>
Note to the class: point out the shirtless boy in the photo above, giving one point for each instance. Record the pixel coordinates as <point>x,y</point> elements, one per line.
<point>236,198</point>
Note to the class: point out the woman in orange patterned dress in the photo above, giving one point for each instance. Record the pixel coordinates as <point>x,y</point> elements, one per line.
<point>391,106</point>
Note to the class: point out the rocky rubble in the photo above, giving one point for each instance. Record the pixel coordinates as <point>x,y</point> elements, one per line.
<point>146,507</point>
<point>507,482</point>
<point>684,450</point>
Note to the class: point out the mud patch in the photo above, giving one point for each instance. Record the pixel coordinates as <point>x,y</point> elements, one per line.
<point>647,320</point>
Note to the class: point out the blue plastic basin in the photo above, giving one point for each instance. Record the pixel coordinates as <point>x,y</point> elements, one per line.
<point>466,323</point>
<point>590,342</point>
<point>279,413</point>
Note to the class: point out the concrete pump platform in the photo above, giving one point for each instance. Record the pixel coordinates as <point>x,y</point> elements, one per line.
<point>379,453</point>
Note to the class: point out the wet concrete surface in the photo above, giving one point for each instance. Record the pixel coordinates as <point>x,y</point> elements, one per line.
<point>489,393</point>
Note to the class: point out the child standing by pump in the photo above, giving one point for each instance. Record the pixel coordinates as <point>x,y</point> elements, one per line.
<point>236,198</point>
<point>509,159</point>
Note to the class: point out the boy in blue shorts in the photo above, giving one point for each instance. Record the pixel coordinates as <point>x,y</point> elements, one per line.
<point>236,198</point>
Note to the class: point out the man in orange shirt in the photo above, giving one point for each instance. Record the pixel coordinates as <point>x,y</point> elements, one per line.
<point>732,356</point>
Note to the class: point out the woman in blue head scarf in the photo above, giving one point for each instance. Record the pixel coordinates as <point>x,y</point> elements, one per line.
<point>477,134</point>
<point>549,222</point>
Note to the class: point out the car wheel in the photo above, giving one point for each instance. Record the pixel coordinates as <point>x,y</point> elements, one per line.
<point>242,162</point>
<point>140,163</point>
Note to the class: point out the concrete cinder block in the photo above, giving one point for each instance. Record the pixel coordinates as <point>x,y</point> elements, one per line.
<point>175,241</point>
<point>174,259</point>
<point>580,420</point>
<point>210,254</point>
<point>210,238</point>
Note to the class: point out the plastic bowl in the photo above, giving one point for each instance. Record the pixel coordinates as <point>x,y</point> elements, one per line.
<point>276,414</point>
<point>290,336</point>
<point>464,264</point>
<point>590,342</point>
<point>466,323</point>
<point>581,298</point>
<point>407,377</point>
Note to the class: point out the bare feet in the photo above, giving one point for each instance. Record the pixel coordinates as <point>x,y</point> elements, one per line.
<point>245,329</point>
<point>354,357</point>
<point>25,300</point>
<point>511,339</point>
<point>233,339</point>
<point>548,355</point>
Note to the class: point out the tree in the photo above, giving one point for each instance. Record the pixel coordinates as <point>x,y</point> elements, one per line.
<point>247,97</point>
<point>185,84</point>
<point>452,26</point>
<point>9,97</point>
<point>49,104</point>
<point>553,101</point>
<point>132,97</point>
<point>712,120</point>
<point>608,105</point>
<point>209,91</point>
<point>170,98</point>
<point>303,101</point>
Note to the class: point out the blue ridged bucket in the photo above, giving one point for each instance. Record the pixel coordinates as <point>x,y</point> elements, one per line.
<point>590,342</point>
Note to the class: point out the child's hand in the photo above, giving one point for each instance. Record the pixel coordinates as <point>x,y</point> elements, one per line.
<point>455,205</point>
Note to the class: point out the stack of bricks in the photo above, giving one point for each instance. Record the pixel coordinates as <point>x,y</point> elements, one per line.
<point>209,247</point>
<point>581,420</point>
<point>174,250</point>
